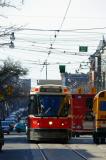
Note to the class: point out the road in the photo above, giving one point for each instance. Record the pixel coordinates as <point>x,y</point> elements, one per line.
<point>17,148</point>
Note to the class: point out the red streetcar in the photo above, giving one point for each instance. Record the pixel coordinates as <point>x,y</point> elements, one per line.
<point>82,114</point>
<point>49,113</point>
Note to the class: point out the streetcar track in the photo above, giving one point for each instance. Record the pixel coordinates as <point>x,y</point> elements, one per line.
<point>81,155</point>
<point>76,152</point>
<point>42,153</point>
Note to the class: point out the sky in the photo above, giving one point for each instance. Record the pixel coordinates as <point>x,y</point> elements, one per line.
<point>51,32</point>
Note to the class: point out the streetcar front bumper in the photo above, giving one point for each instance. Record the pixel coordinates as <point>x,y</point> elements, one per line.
<point>48,134</point>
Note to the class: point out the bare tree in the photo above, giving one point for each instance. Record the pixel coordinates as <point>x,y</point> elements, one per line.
<point>11,3</point>
<point>9,30</point>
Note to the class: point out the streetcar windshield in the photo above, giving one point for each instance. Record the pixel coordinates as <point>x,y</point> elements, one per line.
<point>49,105</point>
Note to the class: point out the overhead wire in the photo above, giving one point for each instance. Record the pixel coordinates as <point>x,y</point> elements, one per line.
<point>62,21</point>
<point>54,52</point>
<point>34,32</point>
<point>73,38</point>
<point>63,30</point>
<point>61,51</point>
<point>54,63</point>
<point>49,52</point>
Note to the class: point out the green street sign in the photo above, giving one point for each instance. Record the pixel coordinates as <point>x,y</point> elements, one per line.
<point>83,48</point>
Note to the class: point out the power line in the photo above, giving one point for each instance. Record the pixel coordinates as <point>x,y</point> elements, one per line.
<point>65,15</point>
<point>55,52</point>
<point>68,30</point>
<point>48,63</point>
<point>36,32</point>
<point>55,36</point>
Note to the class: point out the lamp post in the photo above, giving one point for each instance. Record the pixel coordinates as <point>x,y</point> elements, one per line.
<point>46,69</point>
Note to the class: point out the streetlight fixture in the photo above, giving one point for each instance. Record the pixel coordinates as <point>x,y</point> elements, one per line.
<point>11,45</point>
<point>12,37</point>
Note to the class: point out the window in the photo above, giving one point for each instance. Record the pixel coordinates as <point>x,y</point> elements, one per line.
<point>89,102</point>
<point>102,94</point>
<point>49,105</point>
<point>103,106</point>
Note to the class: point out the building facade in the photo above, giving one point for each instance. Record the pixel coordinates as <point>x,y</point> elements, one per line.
<point>97,73</point>
<point>75,81</point>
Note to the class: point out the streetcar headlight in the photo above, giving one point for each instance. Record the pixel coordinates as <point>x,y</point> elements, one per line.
<point>50,122</point>
<point>62,124</point>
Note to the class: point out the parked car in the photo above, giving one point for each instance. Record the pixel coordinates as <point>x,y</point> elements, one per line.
<point>11,123</point>
<point>5,126</point>
<point>10,119</point>
<point>1,137</point>
<point>20,127</point>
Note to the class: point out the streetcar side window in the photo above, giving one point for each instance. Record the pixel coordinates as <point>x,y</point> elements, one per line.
<point>32,105</point>
<point>64,108</point>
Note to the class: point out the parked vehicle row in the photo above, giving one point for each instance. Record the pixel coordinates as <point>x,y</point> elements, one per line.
<point>14,122</point>
<point>9,126</point>
<point>5,126</point>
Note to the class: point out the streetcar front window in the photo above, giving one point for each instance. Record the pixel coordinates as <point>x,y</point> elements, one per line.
<point>49,105</point>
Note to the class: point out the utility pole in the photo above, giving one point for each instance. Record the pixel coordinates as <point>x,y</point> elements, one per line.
<point>46,68</point>
<point>99,72</point>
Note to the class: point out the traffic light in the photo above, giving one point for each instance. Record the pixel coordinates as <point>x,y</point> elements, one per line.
<point>11,45</point>
<point>12,37</point>
<point>62,68</point>
<point>10,90</point>
<point>80,90</point>
<point>93,90</point>
<point>1,96</point>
